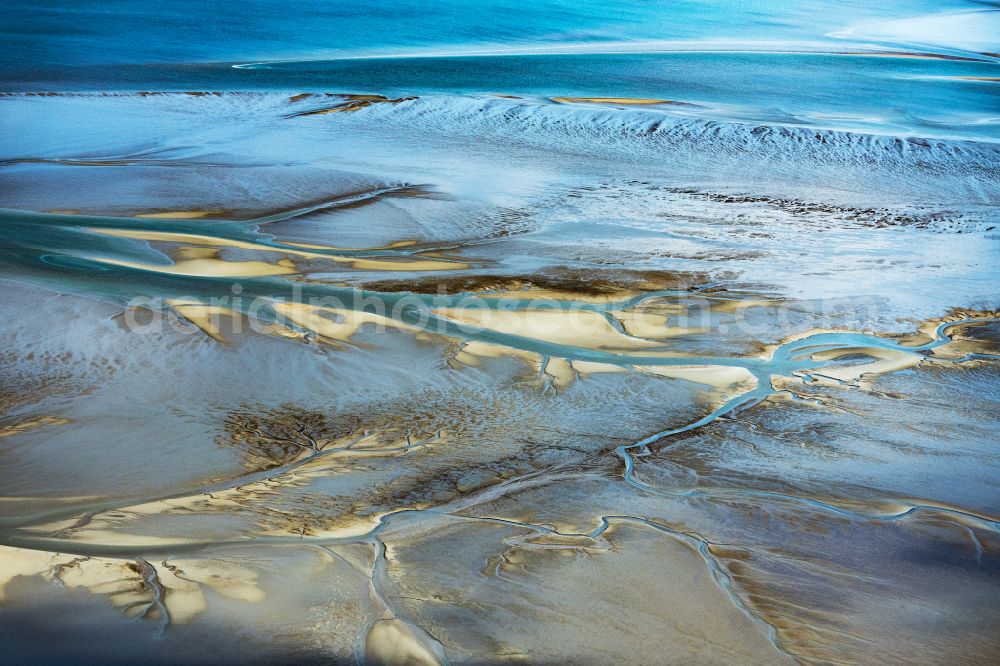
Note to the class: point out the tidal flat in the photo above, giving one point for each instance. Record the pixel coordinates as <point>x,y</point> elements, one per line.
<point>562,335</point>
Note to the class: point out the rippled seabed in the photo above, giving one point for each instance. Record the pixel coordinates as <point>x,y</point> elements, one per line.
<point>568,333</point>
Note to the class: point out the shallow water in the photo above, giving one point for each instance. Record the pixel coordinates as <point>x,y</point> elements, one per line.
<point>549,332</point>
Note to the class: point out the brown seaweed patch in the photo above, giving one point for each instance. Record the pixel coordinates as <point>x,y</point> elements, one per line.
<point>272,437</point>
<point>866,216</point>
<point>636,101</point>
<point>351,103</point>
<point>24,425</point>
<point>973,341</point>
<point>927,330</point>
<point>606,285</point>
<point>344,96</point>
<point>19,387</point>
<point>443,431</point>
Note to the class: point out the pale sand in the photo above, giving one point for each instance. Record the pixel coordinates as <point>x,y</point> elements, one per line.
<point>656,598</point>
<point>721,377</point>
<point>470,353</point>
<point>361,263</point>
<point>587,368</point>
<point>31,423</point>
<point>203,316</point>
<point>15,562</point>
<point>342,327</point>
<point>610,100</point>
<point>401,264</point>
<point>392,641</point>
<point>644,324</point>
<point>119,581</point>
<point>391,246</point>
<point>561,371</point>
<point>529,293</point>
<point>185,581</point>
<point>884,361</point>
<point>206,267</point>
<point>177,215</point>
<point>193,239</point>
<point>567,327</point>
<point>123,583</point>
<point>133,525</point>
<point>927,330</point>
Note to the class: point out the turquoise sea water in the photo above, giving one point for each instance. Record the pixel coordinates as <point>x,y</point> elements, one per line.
<point>755,61</point>
<point>46,35</point>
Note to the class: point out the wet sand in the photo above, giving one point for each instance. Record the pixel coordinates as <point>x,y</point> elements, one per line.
<point>467,378</point>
